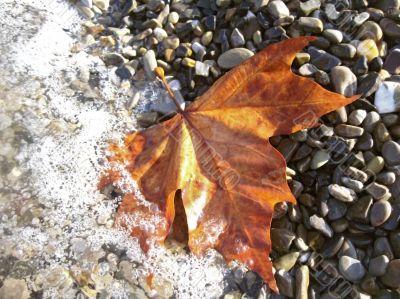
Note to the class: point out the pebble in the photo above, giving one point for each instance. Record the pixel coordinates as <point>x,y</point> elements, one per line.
<point>333,35</point>
<point>360,19</point>
<point>342,193</point>
<point>382,247</point>
<point>351,268</point>
<point>368,48</point>
<point>390,28</point>
<point>377,191</point>
<point>392,61</point>
<point>287,261</point>
<point>319,159</point>
<point>355,185</point>
<point>307,69</point>
<point>337,209</point>
<point>173,17</point>
<point>102,4</point>
<point>357,116</point>
<point>302,282</point>
<point>320,224</point>
<point>237,38</point>
<point>378,265</point>
<point>233,57</point>
<point>332,247</point>
<point>309,6</point>
<point>348,249</point>
<point>312,25</point>
<point>113,59</point>
<point>281,239</point>
<point>380,212</point>
<point>387,97</point>
<point>344,81</point>
<point>14,289</point>
<point>278,9</point>
<point>371,120</point>
<point>391,152</point>
<point>370,30</point>
<point>149,64</point>
<point>360,67</point>
<point>368,84</point>
<point>348,131</point>
<point>345,51</point>
<point>323,60</point>
<point>392,275</point>
<point>285,283</point>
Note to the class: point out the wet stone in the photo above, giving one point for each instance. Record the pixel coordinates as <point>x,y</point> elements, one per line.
<point>312,25</point>
<point>369,84</point>
<point>357,116</point>
<point>391,152</point>
<point>360,67</point>
<point>365,142</point>
<point>285,283</point>
<point>360,210</point>
<point>333,35</point>
<point>377,191</point>
<point>348,131</point>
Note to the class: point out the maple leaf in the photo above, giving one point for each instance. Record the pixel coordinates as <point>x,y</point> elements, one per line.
<point>218,155</point>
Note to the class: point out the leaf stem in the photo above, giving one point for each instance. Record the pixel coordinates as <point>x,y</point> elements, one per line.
<point>159,72</point>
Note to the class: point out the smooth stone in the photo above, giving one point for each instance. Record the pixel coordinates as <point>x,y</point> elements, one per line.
<point>360,19</point>
<point>365,142</point>
<point>360,67</point>
<point>387,97</point>
<point>302,58</point>
<point>357,116</point>
<point>386,178</point>
<point>233,57</point>
<point>392,61</point>
<point>309,6</point>
<point>355,185</point>
<point>370,30</point>
<point>344,81</point>
<point>390,28</point>
<point>376,190</point>
<point>356,174</point>
<point>369,84</point>
<point>342,193</point>
<point>287,261</point>
<point>375,165</point>
<point>345,51</point>
<point>149,64</point>
<point>102,4</point>
<point>160,34</point>
<point>285,283</point>
<point>351,268</point>
<point>319,159</point>
<point>360,210</point>
<point>333,246</point>
<point>320,224</point>
<point>376,65</point>
<point>378,265</point>
<point>173,17</point>
<point>312,25</point>
<point>281,239</point>
<point>348,131</point>
<point>337,209</point>
<point>278,9</point>
<point>307,69</point>
<point>333,35</point>
<point>371,120</point>
<point>368,48</point>
<point>202,69</point>
<point>380,212</point>
<point>348,249</point>
<point>391,152</point>
<point>323,60</point>
<point>302,282</point>
<point>382,247</point>
<point>113,59</point>
<point>392,275</point>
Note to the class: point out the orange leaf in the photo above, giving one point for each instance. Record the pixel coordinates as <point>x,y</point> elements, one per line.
<point>218,155</point>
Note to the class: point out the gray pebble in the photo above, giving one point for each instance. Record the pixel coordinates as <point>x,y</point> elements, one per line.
<point>309,6</point>
<point>376,190</point>
<point>312,25</point>
<point>342,193</point>
<point>319,159</point>
<point>278,9</point>
<point>391,152</point>
<point>237,38</point>
<point>380,212</point>
<point>370,30</point>
<point>345,51</point>
<point>370,121</point>
<point>351,268</point>
<point>357,116</point>
<point>360,19</point>
<point>323,60</point>
<point>355,185</point>
<point>348,131</point>
<point>378,265</point>
<point>333,35</point>
<point>233,57</point>
<point>149,64</point>
<point>307,69</point>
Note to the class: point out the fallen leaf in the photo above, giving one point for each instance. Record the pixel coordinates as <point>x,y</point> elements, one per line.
<point>218,155</point>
